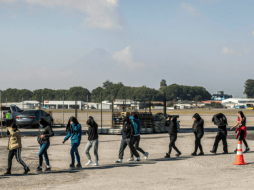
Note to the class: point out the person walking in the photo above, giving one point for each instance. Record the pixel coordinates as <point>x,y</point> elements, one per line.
<point>136,139</point>
<point>241,129</point>
<point>14,147</point>
<point>172,123</point>
<point>221,121</point>
<point>74,131</point>
<point>44,133</point>
<point>127,140</point>
<point>92,140</point>
<point>198,130</point>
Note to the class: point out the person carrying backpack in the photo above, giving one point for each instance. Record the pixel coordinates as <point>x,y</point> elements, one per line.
<point>127,140</point>
<point>44,133</point>
<point>221,121</point>
<point>92,140</point>
<point>198,130</point>
<point>14,147</point>
<point>172,123</point>
<point>74,131</point>
<point>241,129</point>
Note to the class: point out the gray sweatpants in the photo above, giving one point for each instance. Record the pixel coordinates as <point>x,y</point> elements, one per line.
<point>94,144</point>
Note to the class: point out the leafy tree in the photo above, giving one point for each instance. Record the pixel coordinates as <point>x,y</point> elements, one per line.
<point>249,88</point>
<point>163,84</point>
<point>107,84</point>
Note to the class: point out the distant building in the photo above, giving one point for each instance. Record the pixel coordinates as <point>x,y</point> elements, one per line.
<point>238,102</point>
<point>221,96</point>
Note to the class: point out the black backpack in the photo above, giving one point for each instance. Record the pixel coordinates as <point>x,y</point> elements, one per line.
<point>219,119</point>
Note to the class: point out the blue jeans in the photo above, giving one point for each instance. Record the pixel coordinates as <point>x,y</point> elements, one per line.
<point>74,149</point>
<point>43,151</point>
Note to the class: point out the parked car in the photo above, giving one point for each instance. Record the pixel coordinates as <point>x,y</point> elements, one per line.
<point>31,118</point>
<point>15,111</point>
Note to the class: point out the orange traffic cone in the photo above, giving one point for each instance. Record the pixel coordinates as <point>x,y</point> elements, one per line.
<point>239,157</point>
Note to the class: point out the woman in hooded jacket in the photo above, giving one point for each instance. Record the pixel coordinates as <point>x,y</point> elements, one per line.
<point>172,122</point>
<point>92,140</point>
<point>198,130</point>
<point>74,131</point>
<point>241,129</point>
<point>44,133</point>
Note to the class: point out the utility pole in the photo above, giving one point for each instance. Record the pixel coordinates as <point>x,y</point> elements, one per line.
<point>63,109</point>
<point>101,110</point>
<point>165,104</point>
<point>1,113</point>
<point>76,114</point>
<point>22,103</point>
<point>87,107</point>
<point>6,101</point>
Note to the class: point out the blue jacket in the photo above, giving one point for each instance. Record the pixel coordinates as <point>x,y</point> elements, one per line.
<point>75,133</point>
<point>136,125</point>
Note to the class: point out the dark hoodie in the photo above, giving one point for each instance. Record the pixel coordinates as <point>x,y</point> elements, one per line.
<point>198,125</point>
<point>173,126</point>
<point>92,129</point>
<point>128,129</point>
<point>44,130</point>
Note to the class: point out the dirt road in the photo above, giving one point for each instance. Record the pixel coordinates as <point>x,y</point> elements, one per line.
<point>186,172</point>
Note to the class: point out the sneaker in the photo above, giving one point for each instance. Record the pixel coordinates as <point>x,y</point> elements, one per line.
<point>213,152</point>
<point>138,159</point>
<point>167,156</point>
<point>201,154</point>
<point>79,166</point>
<point>178,154</point>
<point>39,169</point>
<point>26,171</point>
<point>146,155</point>
<point>47,169</point>
<point>131,159</point>
<point>7,172</point>
<point>194,154</point>
<point>96,163</point>
<point>89,162</point>
<point>247,150</point>
<point>72,166</point>
<point>119,161</point>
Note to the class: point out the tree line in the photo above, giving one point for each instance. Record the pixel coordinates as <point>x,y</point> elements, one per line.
<point>111,90</point>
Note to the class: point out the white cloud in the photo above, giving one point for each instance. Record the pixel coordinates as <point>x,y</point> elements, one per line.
<point>253,32</point>
<point>103,13</point>
<point>190,8</point>
<point>227,51</point>
<point>125,57</point>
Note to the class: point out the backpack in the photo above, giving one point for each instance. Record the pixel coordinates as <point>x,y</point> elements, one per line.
<point>219,119</point>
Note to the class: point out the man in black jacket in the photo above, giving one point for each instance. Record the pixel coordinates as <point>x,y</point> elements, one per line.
<point>198,130</point>
<point>127,140</point>
<point>172,123</point>
<point>221,121</point>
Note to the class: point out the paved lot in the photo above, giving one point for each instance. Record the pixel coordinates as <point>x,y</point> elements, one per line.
<point>185,172</point>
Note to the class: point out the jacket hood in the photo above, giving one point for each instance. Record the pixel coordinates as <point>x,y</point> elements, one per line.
<point>43,122</point>
<point>197,116</point>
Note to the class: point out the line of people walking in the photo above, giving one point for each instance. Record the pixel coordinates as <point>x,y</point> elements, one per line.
<point>130,138</point>
<point>198,129</point>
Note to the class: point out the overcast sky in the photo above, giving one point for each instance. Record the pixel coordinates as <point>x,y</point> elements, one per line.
<point>63,43</point>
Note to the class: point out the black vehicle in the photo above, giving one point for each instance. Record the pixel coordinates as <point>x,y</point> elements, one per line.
<point>31,118</point>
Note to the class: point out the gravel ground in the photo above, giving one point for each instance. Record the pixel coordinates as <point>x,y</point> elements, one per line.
<point>184,172</point>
